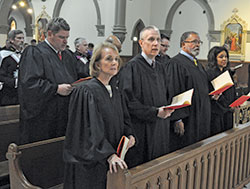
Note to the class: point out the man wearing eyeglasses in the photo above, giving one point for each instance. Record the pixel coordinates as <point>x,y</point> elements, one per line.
<point>190,124</point>
<point>162,57</point>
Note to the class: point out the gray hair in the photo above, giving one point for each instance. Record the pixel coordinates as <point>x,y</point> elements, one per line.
<point>186,35</point>
<point>146,29</point>
<point>57,24</point>
<point>78,41</point>
<point>13,33</point>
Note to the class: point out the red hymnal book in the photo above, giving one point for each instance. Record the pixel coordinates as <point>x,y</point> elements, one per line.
<point>80,80</point>
<point>221,83</point>
<point>182,100</point>
<point>240,100</point>
<point>122,147</point>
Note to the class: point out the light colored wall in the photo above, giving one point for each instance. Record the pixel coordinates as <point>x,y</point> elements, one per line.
<point>81,16</point>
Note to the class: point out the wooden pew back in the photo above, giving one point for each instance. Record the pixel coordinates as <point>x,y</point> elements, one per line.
<point>40,163</point>
<point>221,161</point>
<point>9,128</point>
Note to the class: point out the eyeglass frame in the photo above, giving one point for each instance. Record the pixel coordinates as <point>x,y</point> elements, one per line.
<point>194,42</point>
<point>165,45</point>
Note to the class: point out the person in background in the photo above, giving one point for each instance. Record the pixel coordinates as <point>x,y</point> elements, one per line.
<point>143,81</point>
<point>97,121</point>
<point>47,71</point>
<point>162,56</point>
<point>90,50</point>
<point>184,72</point>
<point>81,54</point>
<point>9,67</point>
<point>116,41</point>
<point>33,42</point>
<point>222,115</point>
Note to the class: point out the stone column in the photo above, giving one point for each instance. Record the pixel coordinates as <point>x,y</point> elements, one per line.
<point>3,34</point>
<point>119,28</point>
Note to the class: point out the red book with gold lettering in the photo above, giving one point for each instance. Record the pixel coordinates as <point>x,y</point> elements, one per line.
<point>122,147</point>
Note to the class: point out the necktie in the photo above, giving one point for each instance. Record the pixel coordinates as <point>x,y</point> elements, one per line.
<point>153,64</point>
<point>59,55</point>
<point>195,62</point>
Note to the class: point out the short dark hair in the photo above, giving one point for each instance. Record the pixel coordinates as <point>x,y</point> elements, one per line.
<point>13,33</point>
<point>90,45</point>
<point>185,35</point>
<point>57,24</point>
<point>164,36</point>
<point>32,41</point>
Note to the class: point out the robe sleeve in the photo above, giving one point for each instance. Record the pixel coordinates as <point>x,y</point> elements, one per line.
<point>85,137</point>
<point>5,76</point>
<point>129,80</point>
<point>34,89</point>
<point>177,81</point>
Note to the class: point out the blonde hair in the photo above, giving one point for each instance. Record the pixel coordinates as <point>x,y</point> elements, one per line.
<point>97,56</point>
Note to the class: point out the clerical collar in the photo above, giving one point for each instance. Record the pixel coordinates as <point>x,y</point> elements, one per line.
<point>50,45</point>
<point>187,55</point>
<point>148,60</point>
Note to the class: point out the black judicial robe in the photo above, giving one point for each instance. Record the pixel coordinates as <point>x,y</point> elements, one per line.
<point>145,89</point>
<point>182,75</point>
<point>95,126</point>
<point>43,113</point>
<point>222,115</point>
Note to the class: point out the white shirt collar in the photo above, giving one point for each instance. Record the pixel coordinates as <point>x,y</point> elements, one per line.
<point>50,45</point>
<point>149,60</point>
<point>187,55</point>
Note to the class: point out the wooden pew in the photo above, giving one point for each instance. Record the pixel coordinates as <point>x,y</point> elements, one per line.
<point>9,128</point>
<point>219,162</point>
<point>40,163</point>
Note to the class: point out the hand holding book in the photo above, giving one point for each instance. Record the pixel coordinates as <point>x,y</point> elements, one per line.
<point>240,100</point>
<point>221,83</point>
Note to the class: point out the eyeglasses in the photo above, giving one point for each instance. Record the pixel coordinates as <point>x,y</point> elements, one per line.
<point>165,45</point>
<point>195,42</point>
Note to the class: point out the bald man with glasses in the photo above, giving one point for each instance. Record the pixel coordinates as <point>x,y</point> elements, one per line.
<point>190,124</point>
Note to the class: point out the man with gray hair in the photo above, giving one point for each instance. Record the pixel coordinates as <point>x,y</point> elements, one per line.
<point>9,65</point>
<point>190,124</point>
<point>142,80</point>
<point>81,53</point>
<point>47,71</point>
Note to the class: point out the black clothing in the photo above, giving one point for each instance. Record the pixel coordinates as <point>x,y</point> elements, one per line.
<point>162,58</point>
<point>145,89</point>
<point>221,116</point>
<point>95,126</point>
<point>43,112</point>
<point>8,75</point>
<point>183,75</point>
<point>84,62</point>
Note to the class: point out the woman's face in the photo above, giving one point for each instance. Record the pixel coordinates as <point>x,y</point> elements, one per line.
<point>222,59</point>
<point>109,62</point>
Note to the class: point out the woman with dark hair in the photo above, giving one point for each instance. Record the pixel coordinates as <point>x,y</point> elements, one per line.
<point>97,120</point>
<point>222,115</point>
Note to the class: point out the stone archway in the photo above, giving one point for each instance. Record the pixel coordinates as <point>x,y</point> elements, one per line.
<point>203,3</point>
<point>5,11</point>
<point>139,25</point>
<point>100,28</point>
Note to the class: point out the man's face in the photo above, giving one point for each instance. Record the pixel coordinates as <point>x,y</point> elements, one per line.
<point>164,46</point>
<point>150,43</point>
<point>18,41</point>
<point>59,40</point>
<point>83,47</point>
<point>192,45</point>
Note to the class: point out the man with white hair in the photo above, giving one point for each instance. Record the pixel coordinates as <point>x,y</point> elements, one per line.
<point>142,80</point>
<point>81,54</point>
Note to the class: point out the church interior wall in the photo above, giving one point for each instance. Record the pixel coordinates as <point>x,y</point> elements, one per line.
<point>18,17</point>
<point>82,18</point>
